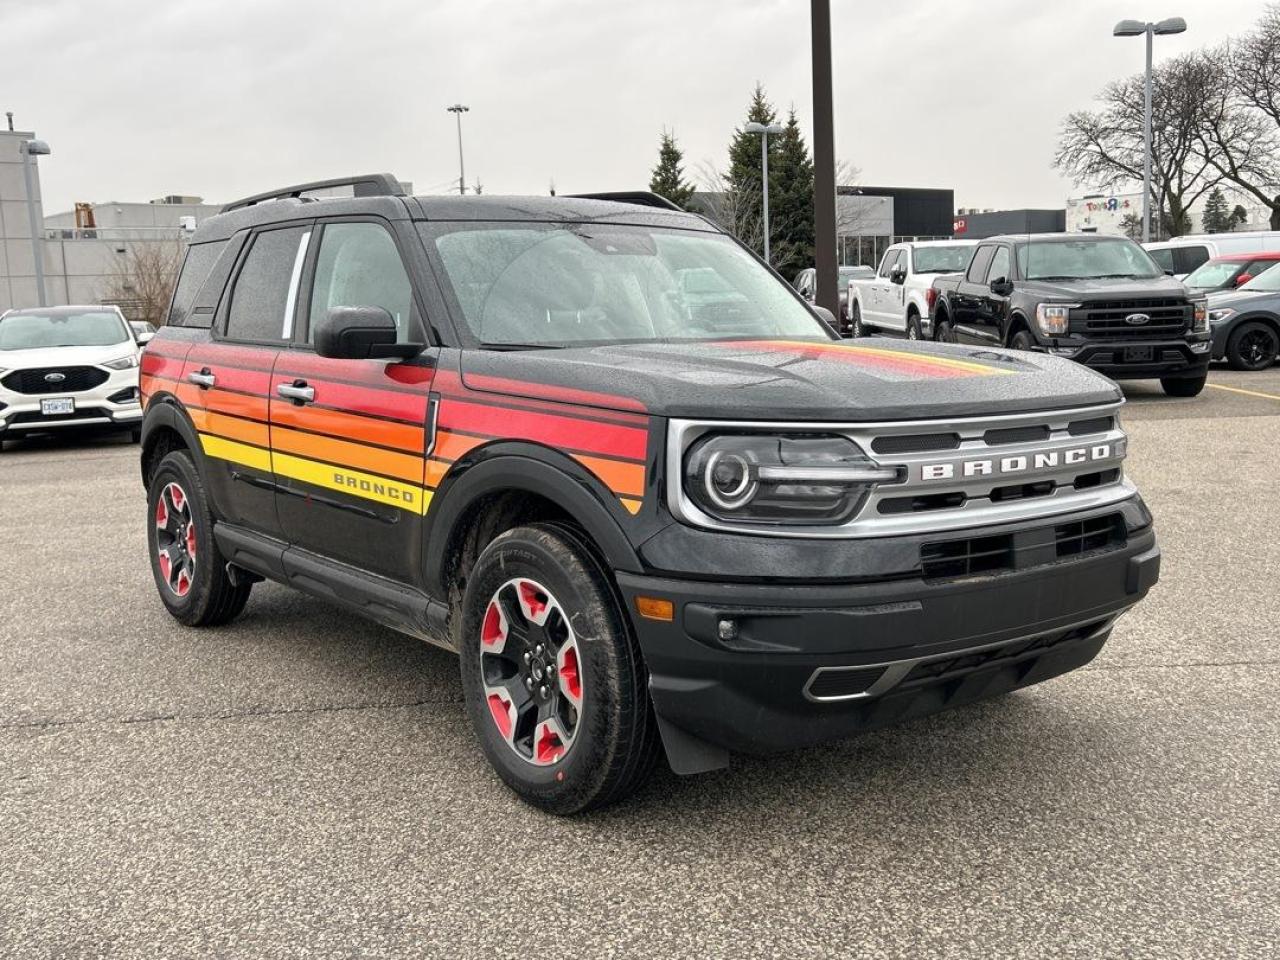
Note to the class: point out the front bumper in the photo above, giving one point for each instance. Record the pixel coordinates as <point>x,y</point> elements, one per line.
<point>103,407</point>
<point>805,664</point>
<point>1142,359</point>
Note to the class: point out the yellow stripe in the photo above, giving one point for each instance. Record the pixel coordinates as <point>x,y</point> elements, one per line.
<point>354,482</point>
<point>906,356</point>
<point>225,449</point>
<point>1247,393</point>
<point>365,485</point>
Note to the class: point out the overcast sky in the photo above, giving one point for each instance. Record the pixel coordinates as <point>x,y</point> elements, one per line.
<point>222,98</point>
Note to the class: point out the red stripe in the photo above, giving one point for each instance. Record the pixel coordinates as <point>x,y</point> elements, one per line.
<point>161,365</point>
<point>901,363</point>
<point>557,431</point>
<point>233,378</point>
<point>259,358</point>
<point>374,373</point>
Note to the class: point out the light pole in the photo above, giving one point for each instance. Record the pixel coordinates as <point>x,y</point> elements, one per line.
<point>764,131</point>
<point>458,110</point>
<point>29,149</point>
<point>1136,28</point>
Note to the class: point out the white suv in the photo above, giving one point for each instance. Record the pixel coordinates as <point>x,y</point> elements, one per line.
<point>67,367</point>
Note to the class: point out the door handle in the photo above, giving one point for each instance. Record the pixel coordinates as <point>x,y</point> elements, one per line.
<point>298,392</point>
<point>202,378</point>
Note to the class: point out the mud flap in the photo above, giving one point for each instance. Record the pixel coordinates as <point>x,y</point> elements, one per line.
<point>688,754</point>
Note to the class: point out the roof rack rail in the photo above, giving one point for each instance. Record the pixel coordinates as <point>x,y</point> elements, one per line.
<point>365,185</point>
<point>641,198</point>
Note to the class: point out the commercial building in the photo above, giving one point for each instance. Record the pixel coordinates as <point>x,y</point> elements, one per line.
<point>1121,213</point>
<point>869,219</point>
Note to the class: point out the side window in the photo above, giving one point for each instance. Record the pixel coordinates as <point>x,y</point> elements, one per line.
<point>1187,259</point>
<point>999,269</point>
<point>263,297</point>
<point>889,262</point>
<point>978,265</point>
<point>1163,258</point>
<point>195,271</point>
<point>358,265</point>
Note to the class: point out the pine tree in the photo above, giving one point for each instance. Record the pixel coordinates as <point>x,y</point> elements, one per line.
<point>791,201</point>
<point>1217,216</point>
<point>668,176</point>
<point>742,184</point>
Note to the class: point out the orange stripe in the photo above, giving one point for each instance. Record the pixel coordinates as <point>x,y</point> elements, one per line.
<point>382,432</point>
<point>246,431</point>
<point>623,478</point>
<point>401,466</point>
<point>454,446</point>
<point>435,472</point>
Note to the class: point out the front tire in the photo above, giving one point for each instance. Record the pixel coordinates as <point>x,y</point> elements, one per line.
<point>1183,386</point>
<point>553,680</point>
<point>1022,340</point>
<point>1254,346</point>
<point>189,570</point>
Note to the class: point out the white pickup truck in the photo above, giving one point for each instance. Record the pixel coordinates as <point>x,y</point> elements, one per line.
<point>898,297</point>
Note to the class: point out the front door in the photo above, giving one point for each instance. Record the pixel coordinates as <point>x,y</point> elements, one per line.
<point>350,438</point>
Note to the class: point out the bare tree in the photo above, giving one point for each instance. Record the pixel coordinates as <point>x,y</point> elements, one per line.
<point>144,283</point>
<point>1104,147</point>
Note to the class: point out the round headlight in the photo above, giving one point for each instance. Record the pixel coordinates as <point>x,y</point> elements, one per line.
<point>729,479</point>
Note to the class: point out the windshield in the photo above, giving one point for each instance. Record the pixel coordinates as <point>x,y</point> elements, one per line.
<point>1085,260</point>
<point>1214,274</point>
<point>33,330</point>
<point>949,259</point>
<point>1268,281</point>
<point>546,285</point>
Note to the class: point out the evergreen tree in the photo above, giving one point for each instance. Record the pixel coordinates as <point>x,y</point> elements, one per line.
<point>1216,217</point>
<point>742,185</point>
<point>668,176</point>
<point>791,201</point>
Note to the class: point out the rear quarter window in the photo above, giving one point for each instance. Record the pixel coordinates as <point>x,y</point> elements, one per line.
<point>196,268</point>
<point>1186,259</point>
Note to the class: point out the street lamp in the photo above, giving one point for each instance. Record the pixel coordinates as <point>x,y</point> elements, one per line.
<point>29,149</point>
<point>764,131</point>
<point>1136,28</point>
<point>458,110</point>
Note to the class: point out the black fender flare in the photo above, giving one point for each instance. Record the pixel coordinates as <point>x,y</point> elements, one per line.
<point>165,412</point>
<point>1016,319</point>
<point>523,467</point>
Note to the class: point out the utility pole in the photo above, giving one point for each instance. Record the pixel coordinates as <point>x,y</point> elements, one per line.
<point>827,293</point>
<point>29,149</point>
<point>764,131</point>
<point>458,110</point>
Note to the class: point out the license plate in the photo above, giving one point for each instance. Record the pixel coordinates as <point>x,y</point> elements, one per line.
<point>1137,355</point>
<point>57,405</point>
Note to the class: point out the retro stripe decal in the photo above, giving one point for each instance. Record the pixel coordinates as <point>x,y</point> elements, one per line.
<point>392,493</point>
<point>899,362</point>
<point>241,453</point>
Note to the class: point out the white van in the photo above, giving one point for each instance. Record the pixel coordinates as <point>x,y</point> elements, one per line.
<point>1181,255</point>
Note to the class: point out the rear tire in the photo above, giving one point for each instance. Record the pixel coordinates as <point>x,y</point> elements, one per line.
<point>943,332</point>
<point>189,570</point>
<point>1253,346</point>
<point>1183,387</point>
<point>520,695</point>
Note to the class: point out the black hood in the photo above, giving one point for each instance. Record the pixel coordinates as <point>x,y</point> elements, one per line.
<point>1243,300</point>
<point>1110,289</point>
<point>864,379</point>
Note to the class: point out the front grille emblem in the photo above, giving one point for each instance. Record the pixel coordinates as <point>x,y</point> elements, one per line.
<point>1137,319</point>
<point>54,377</point>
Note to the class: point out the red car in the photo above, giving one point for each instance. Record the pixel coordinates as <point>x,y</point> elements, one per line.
<point>1230,270</point>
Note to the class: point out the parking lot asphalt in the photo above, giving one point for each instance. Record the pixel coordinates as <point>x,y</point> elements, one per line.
<point>303,783</point>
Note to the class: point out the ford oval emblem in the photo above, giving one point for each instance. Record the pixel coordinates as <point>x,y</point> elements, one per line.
<point>1137,319</point>
<point>54,377</point>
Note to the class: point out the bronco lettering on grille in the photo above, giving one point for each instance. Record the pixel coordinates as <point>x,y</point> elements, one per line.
<point>1022,463</point>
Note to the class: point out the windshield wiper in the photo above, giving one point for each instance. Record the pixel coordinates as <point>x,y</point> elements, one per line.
<point>512,345</point>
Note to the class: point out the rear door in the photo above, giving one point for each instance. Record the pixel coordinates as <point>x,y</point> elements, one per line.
<point>227,380</point>
<point>350,438</point>
<point>882,289</point>
<point>994,312</point>
<point>966,302</point>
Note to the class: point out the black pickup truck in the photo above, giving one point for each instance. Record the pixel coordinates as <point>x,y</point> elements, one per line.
<point>1101,301</point>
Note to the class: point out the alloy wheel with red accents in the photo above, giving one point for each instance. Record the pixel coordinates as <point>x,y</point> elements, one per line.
<point>177,542</point>
<point>552,675</point>
<point>531,666</point>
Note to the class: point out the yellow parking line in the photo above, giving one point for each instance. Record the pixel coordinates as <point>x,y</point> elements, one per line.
<point>1247,393</point>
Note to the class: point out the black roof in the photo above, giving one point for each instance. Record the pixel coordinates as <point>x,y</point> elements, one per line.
<point>447,208</point>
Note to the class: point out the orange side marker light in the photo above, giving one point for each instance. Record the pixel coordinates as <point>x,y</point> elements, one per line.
<point>654,608</point>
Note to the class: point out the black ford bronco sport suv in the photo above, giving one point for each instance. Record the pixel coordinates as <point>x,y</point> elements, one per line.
<point>645,526</point>
<point>1099,300</point>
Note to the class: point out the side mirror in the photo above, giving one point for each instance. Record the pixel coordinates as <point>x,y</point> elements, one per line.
<point>897,275</point>
<point>144,338</point>
<point>1001,286</point>
<point>361,333</point>
<point>1243,279</point>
